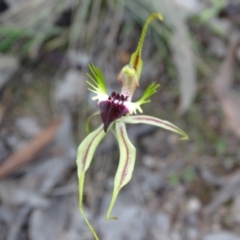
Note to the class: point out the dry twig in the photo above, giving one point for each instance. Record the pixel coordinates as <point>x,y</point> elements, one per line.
<point>27,153</point>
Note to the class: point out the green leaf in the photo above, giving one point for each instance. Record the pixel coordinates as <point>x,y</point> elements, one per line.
<point>126,164</point>
<point>84,159</point>
<point>97,83</point>
<point>144,119</point>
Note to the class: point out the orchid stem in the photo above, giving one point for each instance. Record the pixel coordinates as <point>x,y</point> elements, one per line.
<point>81,186</point>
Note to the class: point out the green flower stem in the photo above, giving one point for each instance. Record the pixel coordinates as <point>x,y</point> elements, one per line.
<point>81,187</point>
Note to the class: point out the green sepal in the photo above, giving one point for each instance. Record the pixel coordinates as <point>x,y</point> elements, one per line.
<point>144,119</point>
<point>136,61</point>
<point>84,159</point>
<point>125,166</point>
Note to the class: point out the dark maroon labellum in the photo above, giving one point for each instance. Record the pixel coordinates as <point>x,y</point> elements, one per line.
<point>112,109</point>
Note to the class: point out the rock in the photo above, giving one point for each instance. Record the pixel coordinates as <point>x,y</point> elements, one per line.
<point>13,194</point>
<point>27,126</point>
<point>224,235</point>
<point>131,223</point>
<point>235,211</point>
<point>163,222</point>
<point>150,181</point>
<point>78,58</point>
<point>3,152</point>
<point>217,47</point>
<point>72,90</point>
<point>47,223</point>
<point>192,233</point>
<point>76,226</point>
<point>175,236</point>
<point>190,6</point>
<point>193,205</point>
<point>149,161</point>
<point>8,65</point>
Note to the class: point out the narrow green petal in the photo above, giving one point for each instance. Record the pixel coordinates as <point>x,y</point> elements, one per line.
<point>151,89</point>
<point>97,84</point>
<point>93,89</point>
<point>126,164</point>
<point>156,122</point>
<point>84,158</point>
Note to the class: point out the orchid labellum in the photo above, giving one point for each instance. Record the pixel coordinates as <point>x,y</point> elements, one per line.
<point>117,110</point>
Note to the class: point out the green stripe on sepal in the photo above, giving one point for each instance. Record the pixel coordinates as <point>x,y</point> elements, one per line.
<point>144,119</point>
<point>125,166</point>
<point>84,159</point>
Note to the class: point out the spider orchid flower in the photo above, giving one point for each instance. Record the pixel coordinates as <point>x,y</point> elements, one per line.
<point>117,110</point>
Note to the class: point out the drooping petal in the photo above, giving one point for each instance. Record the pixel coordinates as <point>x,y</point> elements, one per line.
<point>126,164</point>
<point>144,119</point>
<point>84,158</point>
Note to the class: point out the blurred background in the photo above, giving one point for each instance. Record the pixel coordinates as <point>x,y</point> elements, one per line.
<point>180,189</point>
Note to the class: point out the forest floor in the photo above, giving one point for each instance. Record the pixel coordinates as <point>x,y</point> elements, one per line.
<point>180,190</point>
